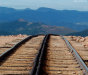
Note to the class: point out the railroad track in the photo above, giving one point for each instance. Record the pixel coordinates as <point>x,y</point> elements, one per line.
<point>81,50</point>
<point>55,58</point>
<point>19,59</point>
<point>49,55</point>
<point>9,45</point>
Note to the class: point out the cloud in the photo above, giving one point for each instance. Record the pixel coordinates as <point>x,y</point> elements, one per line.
<point>81,1</point>
<point>57,4</point>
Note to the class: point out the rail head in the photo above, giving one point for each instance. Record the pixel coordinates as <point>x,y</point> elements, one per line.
<point>77,56</point>
<point>38,62</point>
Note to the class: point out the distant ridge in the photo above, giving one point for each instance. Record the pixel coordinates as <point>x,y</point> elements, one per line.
<point>67,18</point>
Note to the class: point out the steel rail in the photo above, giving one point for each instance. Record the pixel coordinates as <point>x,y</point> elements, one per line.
<point>7,53</point>
<point>38,63</point>
<point>76,55</point>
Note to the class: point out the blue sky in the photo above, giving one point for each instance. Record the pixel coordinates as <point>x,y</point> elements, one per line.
<point>81,5</point>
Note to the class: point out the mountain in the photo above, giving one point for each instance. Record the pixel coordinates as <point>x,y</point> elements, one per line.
<point>76,20</point>
<point>5,33</point>
<point>82,33</point>
<point>31,28</point>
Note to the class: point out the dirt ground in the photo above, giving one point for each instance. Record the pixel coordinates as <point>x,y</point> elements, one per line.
<point>7,39</point>
<point>78,39</point>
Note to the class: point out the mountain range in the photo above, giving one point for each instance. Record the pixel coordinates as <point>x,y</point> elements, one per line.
<point>75,20</point>
<point>82,33</point>
<point>31,28</point>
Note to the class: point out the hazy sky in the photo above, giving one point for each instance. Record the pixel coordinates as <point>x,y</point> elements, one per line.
<point>56,4</point>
